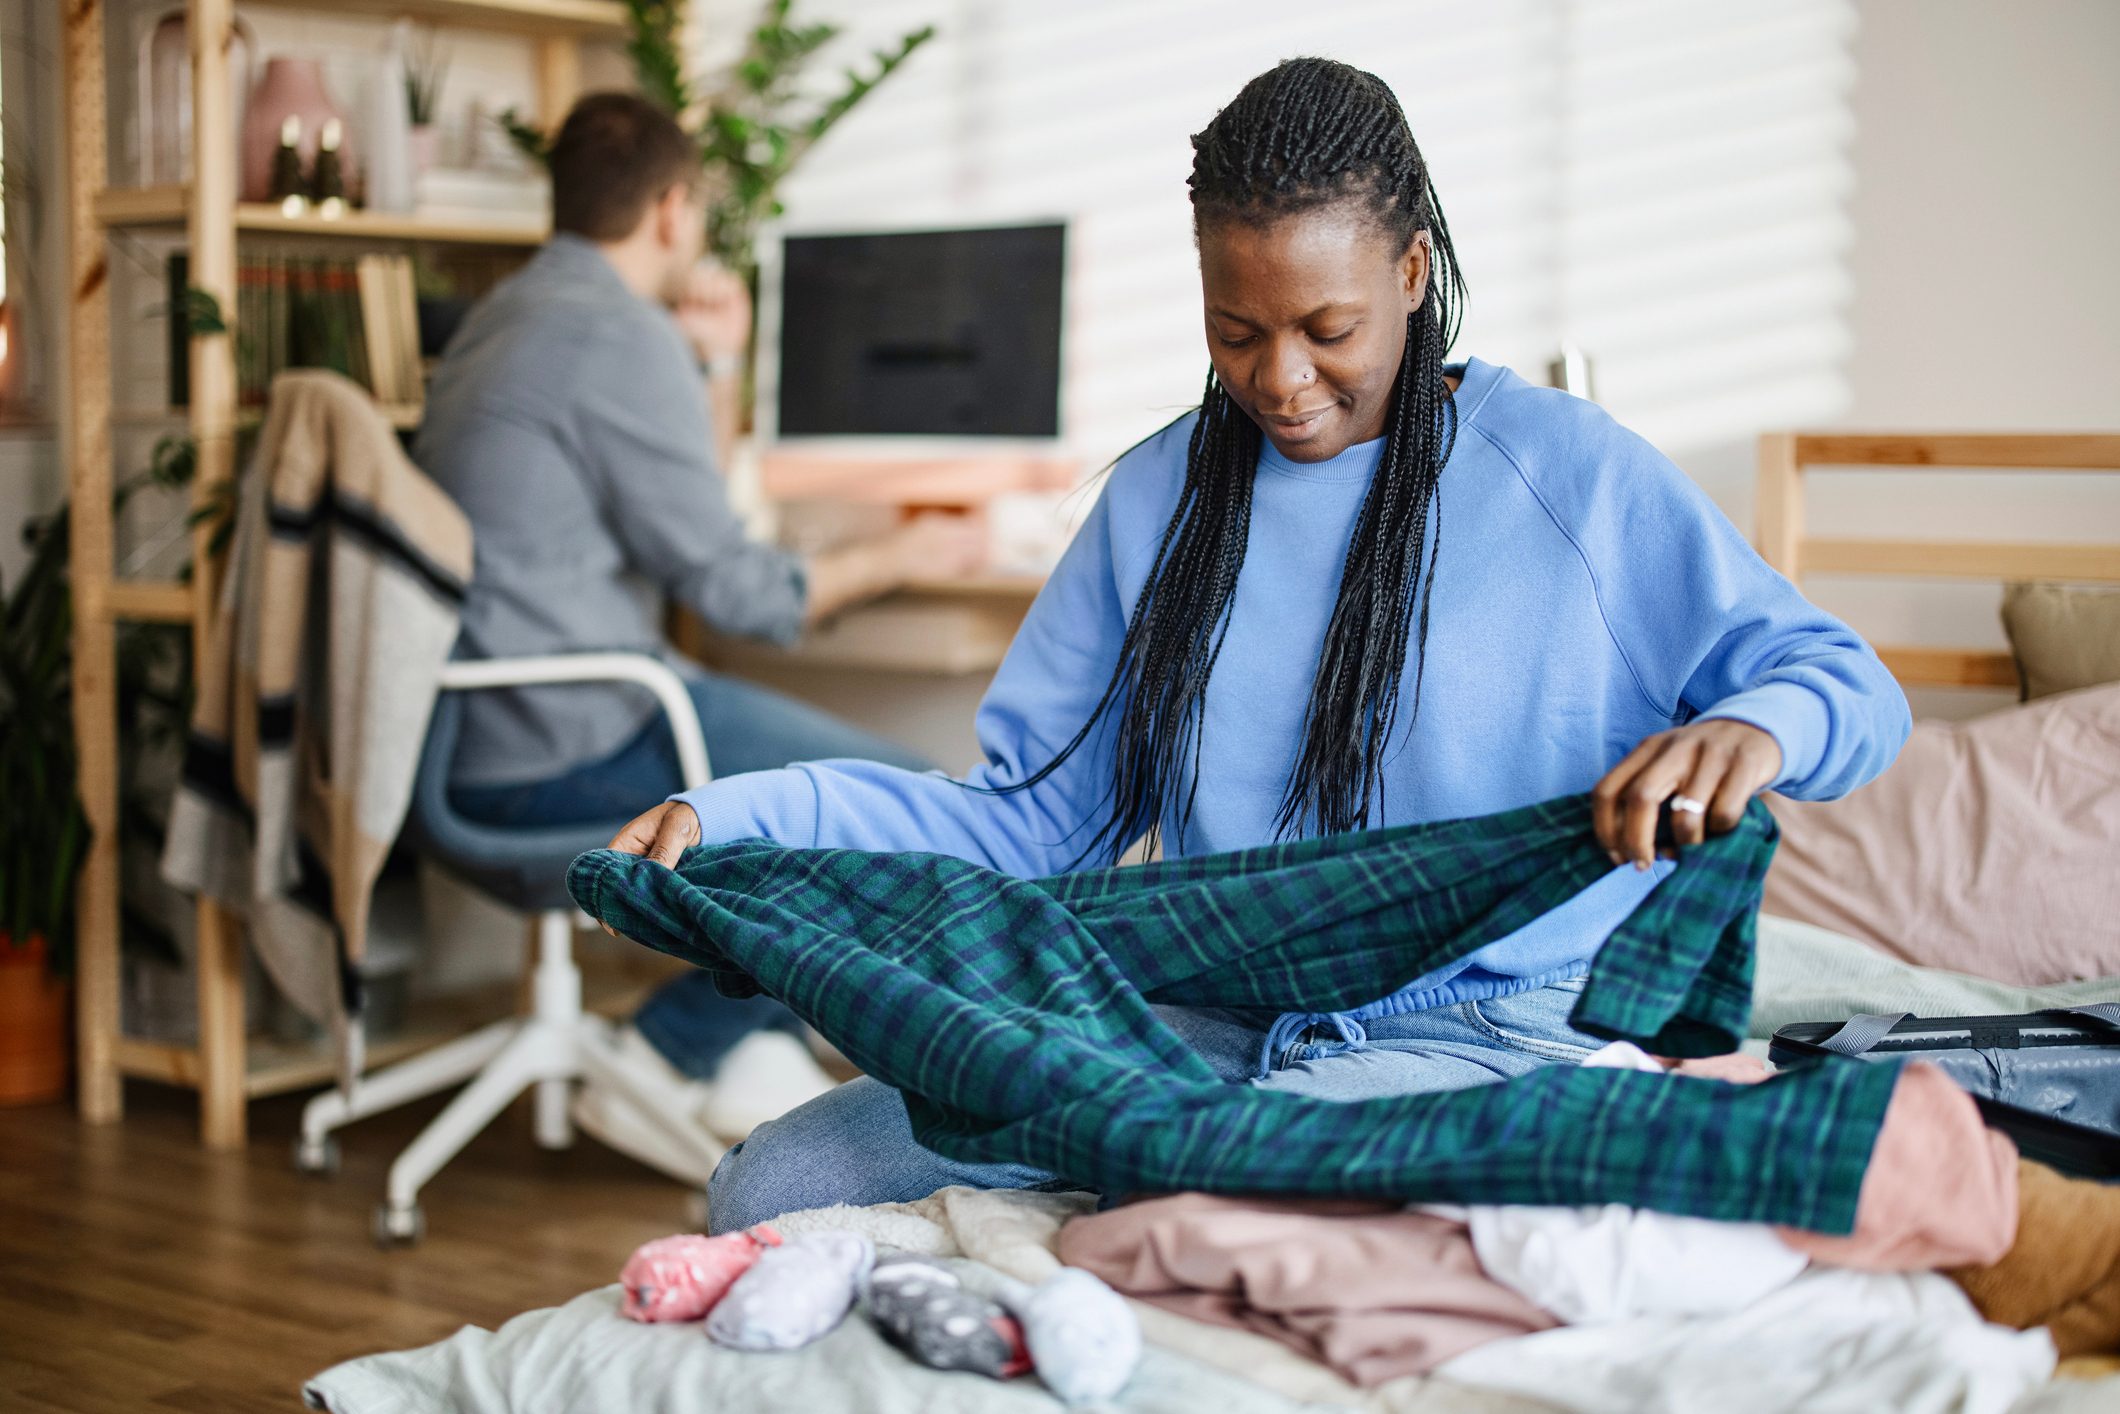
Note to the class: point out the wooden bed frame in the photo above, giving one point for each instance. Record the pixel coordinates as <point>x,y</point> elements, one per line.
<point>1786,457</point>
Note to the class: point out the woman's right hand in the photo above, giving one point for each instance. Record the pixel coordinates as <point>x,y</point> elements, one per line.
<point>662,834</point>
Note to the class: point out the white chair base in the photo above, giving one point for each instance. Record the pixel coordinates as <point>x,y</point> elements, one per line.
<point>557,1044</point>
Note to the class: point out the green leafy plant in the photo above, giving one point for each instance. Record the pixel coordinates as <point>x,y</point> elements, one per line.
<point>44,833</point>
<point>756,124</point>
<point>426,66</point>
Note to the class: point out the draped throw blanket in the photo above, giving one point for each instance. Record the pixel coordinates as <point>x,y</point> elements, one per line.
<point>340,605</point>
<point>1016,1014</point>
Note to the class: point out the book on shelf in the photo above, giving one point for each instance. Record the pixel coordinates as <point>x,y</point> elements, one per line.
<point>179,329</point>
<point>358,317</point>
<point>390,316</point>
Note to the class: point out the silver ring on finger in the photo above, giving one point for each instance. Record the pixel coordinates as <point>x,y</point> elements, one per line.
<point>1687,805</point>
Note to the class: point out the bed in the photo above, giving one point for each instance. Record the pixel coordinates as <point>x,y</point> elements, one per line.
<point>583,1355</point>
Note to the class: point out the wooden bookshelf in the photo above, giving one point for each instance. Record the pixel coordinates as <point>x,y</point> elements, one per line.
<point>273,1066</point>
<point>580,19</point>
<point>211,220</point>
<point>149,601</point>
<point>169,207</point>
<point>405,417</point>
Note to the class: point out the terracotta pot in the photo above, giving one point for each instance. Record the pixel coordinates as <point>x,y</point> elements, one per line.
<point>35,1009</point>
<point>290,87</point>
<point>12,353</point>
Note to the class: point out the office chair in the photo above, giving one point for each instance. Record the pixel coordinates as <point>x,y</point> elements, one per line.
<point>557,1043</point>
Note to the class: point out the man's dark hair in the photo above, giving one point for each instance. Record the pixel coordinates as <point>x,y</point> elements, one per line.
<point>615,155</point>
<point>1307,134</point>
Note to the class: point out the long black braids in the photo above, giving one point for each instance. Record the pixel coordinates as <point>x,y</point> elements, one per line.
<point>1304,135</point>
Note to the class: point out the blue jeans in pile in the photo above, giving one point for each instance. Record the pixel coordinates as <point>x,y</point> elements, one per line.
<point>855,1145</point>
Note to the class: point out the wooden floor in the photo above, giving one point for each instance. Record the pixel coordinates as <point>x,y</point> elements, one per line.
<point>139,1272</point>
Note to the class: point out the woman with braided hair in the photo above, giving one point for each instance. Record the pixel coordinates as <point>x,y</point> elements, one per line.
<point>1358,587</point>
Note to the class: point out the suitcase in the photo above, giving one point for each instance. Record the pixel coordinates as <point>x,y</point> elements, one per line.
<point>2048,1079</point>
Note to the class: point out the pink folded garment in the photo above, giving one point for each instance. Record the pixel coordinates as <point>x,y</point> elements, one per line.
<point>1377,1292</point>
<point>1369,1289</point>
<point>1941,1189</point>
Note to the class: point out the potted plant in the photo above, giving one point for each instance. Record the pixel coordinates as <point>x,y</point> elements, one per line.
<point>426,66</point>
<point>43,833</point>
<point>755,125</point>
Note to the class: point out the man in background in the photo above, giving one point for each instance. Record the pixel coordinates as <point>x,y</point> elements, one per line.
<point>576,418</point>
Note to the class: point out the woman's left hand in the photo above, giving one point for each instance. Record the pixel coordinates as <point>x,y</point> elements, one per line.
<point>1720,763</point>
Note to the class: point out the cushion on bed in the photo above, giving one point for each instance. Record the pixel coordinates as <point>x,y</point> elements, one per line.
<point>1991,847</point>
<point>2063,637</point>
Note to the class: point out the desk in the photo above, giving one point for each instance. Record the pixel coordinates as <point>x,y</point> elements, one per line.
<point>938,627</point>
<point>910,666</point>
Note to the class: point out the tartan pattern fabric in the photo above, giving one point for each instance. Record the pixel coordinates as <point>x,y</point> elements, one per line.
<point>1015,1014</point>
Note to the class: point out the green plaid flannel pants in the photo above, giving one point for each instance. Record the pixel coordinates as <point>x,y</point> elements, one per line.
<point>1015,1014</point>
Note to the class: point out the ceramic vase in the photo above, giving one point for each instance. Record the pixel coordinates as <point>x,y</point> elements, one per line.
<point>389,134</point>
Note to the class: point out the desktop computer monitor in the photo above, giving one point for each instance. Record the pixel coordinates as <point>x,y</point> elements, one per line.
<point>940,334</point>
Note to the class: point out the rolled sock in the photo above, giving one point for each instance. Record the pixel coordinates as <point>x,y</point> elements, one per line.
<point>921,1309</point>
<point>681,1278</point>
<point>1083,1338</point>
<point>793,1293</point>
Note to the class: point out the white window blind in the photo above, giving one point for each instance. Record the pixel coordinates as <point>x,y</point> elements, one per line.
<point>1660,182</point>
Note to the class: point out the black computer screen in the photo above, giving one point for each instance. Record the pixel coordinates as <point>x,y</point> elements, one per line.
<point>928,333</point>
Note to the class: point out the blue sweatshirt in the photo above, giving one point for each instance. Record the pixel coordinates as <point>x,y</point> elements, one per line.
<point>1587,595</point>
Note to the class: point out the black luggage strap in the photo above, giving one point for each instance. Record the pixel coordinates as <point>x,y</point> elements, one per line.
<point>1860,1034</point>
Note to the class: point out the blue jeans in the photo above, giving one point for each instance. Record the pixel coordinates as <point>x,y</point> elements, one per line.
<point>855,1145</point>
<point>748,728</point>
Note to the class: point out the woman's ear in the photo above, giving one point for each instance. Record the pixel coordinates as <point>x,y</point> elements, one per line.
<point>1417,265</point>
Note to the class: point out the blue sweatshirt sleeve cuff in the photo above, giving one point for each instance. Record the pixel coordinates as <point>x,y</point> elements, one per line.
<point>1795,716</point>
<point>777,805</point>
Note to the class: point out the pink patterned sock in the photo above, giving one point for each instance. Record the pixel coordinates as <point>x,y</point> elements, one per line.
<point>680,1278</point>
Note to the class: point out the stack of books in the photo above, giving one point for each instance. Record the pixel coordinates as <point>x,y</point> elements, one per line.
<point>483,198</point>
<point>358,316</point>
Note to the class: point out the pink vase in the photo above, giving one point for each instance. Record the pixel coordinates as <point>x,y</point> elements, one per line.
<point>290,87</point>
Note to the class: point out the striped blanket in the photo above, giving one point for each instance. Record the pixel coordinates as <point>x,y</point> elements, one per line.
<point>338,610</point>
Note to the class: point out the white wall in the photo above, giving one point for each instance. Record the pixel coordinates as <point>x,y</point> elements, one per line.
<point>1663,182</point>
<point>1911,201</point>
<point>1967,282</point>
<point>29,473</point>
<point>1987,290</point>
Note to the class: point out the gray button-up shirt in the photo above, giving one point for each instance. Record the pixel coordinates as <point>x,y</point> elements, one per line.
<point>568,420</point>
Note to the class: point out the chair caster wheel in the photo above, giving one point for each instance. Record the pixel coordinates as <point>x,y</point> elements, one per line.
<point>316,1156</point>
<point>397,1227</point>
